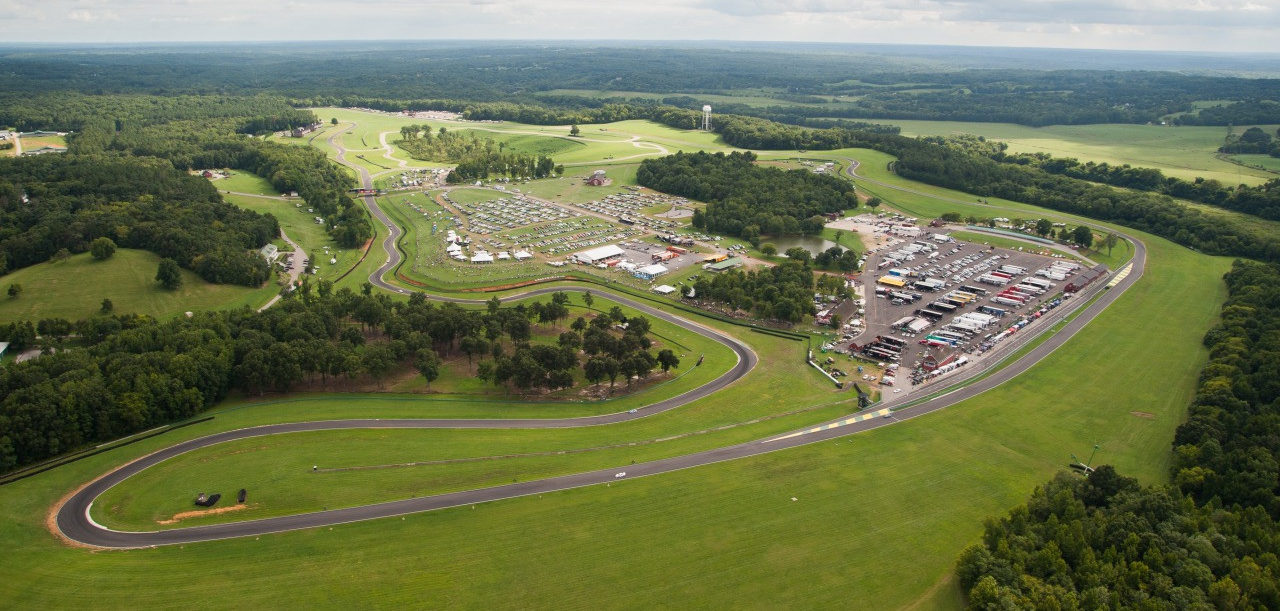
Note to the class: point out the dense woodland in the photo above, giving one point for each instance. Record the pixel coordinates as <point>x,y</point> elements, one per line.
<point>1210,540</point>
<point>747,200</point>
<point>122,374</point>
<point>53,202</point>
<point>807,81</point>
<point>199,132</point>
<point>476,158</point>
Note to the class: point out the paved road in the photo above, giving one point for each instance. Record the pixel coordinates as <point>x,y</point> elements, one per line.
<point>74,522</point>
<point>295,270</point>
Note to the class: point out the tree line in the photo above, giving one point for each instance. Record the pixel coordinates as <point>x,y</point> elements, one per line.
<point>1209,540</point>
<point>49,203</point>
<point>114,375</point>
<point>747,200</point>
<point>476,158</point>
<point>1262,201</point>
<point>782,292</point>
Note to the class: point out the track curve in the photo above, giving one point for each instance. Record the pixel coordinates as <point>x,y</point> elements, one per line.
<point>73,520</point>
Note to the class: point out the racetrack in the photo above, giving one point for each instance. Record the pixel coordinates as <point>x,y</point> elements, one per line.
<point>73,520</point>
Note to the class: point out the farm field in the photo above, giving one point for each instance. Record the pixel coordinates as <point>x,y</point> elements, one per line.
<point>1184,152</point>
<point>915,493</point>
<point>74,289</point>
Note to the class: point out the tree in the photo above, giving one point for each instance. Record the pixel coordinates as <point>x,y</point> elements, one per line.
<point>494,303</point>
<point>1109,240</point>
<point>333,121</point>
<point>1082,235</point>
<point>427,362</point>
<point>62,255</point>
<point>15,290</point>
<point>799,254</point>
<point>588,299</point>
<point>1044,227</point>
<point>873,203</point>
<point>102,248</point>
<point>377,360</point>
<point>768,249</point>
<point>597,368</point>
<point>668,359</point>
<point>168,274</point>
<point>574,131</point>
<point>107,306</point>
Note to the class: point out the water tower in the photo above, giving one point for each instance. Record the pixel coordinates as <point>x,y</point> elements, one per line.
<point>706,117</point>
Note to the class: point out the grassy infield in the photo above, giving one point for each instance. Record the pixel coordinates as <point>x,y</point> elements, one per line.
<point>878,522</point>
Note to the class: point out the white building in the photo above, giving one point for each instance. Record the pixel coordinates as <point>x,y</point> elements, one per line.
<point>599,255</point>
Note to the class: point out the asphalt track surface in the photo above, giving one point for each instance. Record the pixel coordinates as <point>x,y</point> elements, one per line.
<point>73,516</point>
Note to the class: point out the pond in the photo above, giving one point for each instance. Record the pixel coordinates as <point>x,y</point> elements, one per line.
<point>811,243</point>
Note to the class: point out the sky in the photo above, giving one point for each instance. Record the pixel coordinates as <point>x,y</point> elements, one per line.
<point>1183,25</point>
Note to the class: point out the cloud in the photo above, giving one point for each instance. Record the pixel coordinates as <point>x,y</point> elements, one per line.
<point>1247,25</point>
<point>88,16</point>
<point>1210,13</point>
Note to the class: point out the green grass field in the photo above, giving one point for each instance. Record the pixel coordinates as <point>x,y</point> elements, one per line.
<point>572,187</point>
<point>1003,242</point>
<point>74,289</point>
<point>1182,152</point>
<point>1271,164</point>
<point>245,182</point>
<point>878,520</point>
<point>870,521</point>
<point>141,502</point>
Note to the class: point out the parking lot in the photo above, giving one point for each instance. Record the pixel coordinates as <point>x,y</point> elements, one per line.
<point>562,237</point>
<point>935,305</point>
<point>508,213</point>
<point>630,206</point>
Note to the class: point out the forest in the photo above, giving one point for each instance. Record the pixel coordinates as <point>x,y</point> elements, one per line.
<point>50,203</point>
<point>476,158</point>
<point>200,132</point>
<point>747,200</point>
<point>1209,540</point>
<point>116,375</point>
<point>870,82</point>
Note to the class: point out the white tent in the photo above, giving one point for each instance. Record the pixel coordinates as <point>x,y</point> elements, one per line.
<point>664,289</point>
<point>521,255</point>
<point>453,249</point>
<point>596,255</point>
<point>649,272</point>
<point>482,257</point>
<point>504,255</point>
